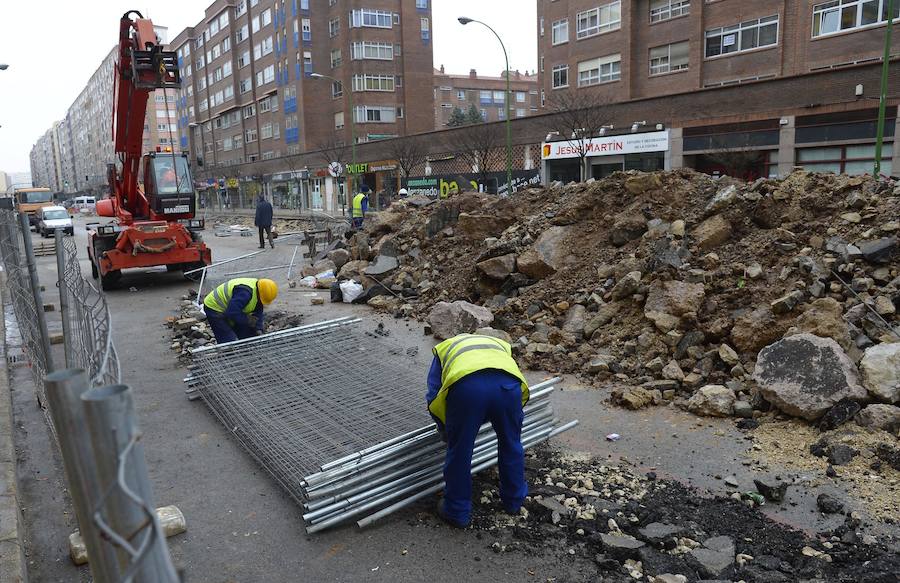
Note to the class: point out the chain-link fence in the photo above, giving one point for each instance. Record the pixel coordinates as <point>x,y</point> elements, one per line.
<point>87,329</point>
<point>24,294</point>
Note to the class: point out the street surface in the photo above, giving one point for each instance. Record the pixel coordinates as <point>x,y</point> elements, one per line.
<point>242,528</point>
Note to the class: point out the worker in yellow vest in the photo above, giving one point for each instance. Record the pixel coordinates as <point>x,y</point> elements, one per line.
<point>229,306</point>
<point>474,379</point>
<point>360,206</point>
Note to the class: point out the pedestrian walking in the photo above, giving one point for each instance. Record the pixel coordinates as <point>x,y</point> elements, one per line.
<point>230,307</point>
<point>263,221</point>
<point>473,380</point>
<point>360,207</point>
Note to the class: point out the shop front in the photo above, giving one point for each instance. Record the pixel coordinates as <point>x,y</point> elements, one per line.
<point>645,151</point>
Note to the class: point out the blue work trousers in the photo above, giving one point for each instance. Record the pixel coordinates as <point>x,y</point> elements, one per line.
<point>220,326</point>
<point>488,395</point>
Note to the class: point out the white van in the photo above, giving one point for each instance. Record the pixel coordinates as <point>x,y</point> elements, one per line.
<point>52,218</point>
<point>85,204</point>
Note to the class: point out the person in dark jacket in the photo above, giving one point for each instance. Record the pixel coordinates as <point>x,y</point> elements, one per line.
<point>263,221</point>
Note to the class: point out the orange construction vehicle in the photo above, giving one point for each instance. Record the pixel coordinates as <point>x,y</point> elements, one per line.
<point>155,221</point>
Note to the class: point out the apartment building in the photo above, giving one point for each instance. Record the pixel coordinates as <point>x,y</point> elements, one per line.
<point>264,80</point>
<point>622,51</point>
<point>487,94</point>
<point>73,155</point>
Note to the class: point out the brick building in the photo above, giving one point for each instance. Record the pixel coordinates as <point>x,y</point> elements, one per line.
<point>485,93</point>
<point>626,51</point>
<point>249,94</point>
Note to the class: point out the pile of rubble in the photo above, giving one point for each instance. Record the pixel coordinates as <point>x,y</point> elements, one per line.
<point>609,521</point>
<point>666,285</point>
<point>190,330</point>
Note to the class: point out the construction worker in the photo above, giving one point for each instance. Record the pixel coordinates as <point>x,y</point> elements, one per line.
<point>229,307</point>
<point>474,379</point>
<point>360,206</point>
<point>403,193</point>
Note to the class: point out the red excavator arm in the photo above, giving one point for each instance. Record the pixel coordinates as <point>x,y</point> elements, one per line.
<point>142,68</point>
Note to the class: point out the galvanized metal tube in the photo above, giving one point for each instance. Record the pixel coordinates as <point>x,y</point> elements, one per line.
<point>290,331</point>
<point>126,499</point>
<point>434,489</point>
<point>64,389</point>
<point>36,292</point>
<point>64,309</point>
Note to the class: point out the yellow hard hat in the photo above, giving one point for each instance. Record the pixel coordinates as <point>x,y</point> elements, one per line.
<point>268,291</point>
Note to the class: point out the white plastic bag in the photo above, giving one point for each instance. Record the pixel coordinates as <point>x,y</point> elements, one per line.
<point>351,290</point>
<point>308,281</point>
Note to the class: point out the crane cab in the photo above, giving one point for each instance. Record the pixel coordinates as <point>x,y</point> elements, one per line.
<point>168,185</point>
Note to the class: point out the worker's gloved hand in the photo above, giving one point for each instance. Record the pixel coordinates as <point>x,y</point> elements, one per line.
<point>258,332</point>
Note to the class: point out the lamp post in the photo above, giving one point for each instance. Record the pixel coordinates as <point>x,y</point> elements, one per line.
<point>352,124</point>
<point>882,105</point>
<point>463,20</point>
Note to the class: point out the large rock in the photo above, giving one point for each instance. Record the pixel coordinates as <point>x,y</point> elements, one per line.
<point>627,286</point>
<point>498,268</point>
<point>385,222</point>
<point>712,401</point>
<point>879,250</point>
<point>494,333</point>
<point>824,318</point>
<point>320,267</point>
<point>480,227</point>
<point>712,232</point>
<point>603,316</point>
<point>754,330</point>
<point>805,375</point>
<point>548,254</point>
<point>667,301</point>
<point>339,257</point>
<point>642,182</point>
<point>880,416</point>
<point>383,265</point>
<point>574,323</point>
<point>627,227</point>
<point>880,367</point>
<point>352,269</point>
<point>460,317</point>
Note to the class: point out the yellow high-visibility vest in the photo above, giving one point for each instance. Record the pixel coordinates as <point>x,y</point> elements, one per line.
<point>468,353</point>
<point>218,298</point>
<point>357,206</point>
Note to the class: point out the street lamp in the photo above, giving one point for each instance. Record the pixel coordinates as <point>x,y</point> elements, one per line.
<point>352,123</point>
<point>464,20</point>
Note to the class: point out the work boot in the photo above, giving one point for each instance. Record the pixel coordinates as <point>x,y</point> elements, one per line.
<point>262,246</point>
<point>272,244</point>
<point>442,514</point>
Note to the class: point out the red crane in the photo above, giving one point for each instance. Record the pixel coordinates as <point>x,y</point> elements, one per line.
<point>155,220</point>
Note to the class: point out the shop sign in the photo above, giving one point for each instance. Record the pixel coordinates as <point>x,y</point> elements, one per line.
<point>357,168</point>
<point>232,182</point>
<point>382,167</point>
<point>335,169</point>
<point>608,145</point>
<point>443,185</point>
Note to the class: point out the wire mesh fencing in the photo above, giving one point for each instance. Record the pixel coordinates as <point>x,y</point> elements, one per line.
<point>299,398</point>
<point>25,299</point>
<point>87,326</point>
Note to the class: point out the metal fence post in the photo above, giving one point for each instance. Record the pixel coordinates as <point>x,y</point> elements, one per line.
<point>36,291</point>
<point>64,309</point>
<point>125,512</point>
<point>64,389</point>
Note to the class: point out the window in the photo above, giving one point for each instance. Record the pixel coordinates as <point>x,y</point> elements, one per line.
<point>242,34</point>
<point>499,96</point>
<point>244,59</point>
<point>422,4</point>
<point>560,32</point>
<point>839,15</point>
<point>334,27</point>
<point>265,132</point>
<point>267,75</point>
<point>339,120</point>
<point>307,62</point>
<point>368,114</point>
<point>226,44</point>
<point>223,20</point>
<point>520,97</point>
<point>373,82</point>
<point>266,17</point>
<point>372,50</point>
<point>665,9</point>
<point>336,59</point>
<point>855,159</point>
<point>597,20</point>
<point>602,70</point>
<point>752,34</point>
<point>201,61</point>
<point>216,52</point>
<point>245,86</point>
<point>201,82</point>
<point>267,46</point>
<point>240,8</point>
<point>560,76</point>
<point>669,58</point>
<point>520,113</point>
<point>187,50</point>
<point>484,96</point>
<point>306,28</point>
<point>426,28</point>
<point>228,144</point>
<point>371,18</point>
<point>541,26</point>
<point>461,95</point>
<point>264,105</point>
<point>228,92</point>
<point>217,74</point>
<point>254,24</point>
<point>250,135</point>
<point>337,89</point>
<point>213,28</point>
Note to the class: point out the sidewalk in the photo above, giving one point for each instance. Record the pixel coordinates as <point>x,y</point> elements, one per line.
<point>12,549</point>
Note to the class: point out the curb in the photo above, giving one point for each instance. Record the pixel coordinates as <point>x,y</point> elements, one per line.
<point>12,548</point>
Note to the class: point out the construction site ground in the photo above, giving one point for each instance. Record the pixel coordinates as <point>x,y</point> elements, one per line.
<point>242,528</point>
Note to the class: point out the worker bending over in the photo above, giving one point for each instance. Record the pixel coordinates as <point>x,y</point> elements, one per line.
<point>360,206</point>
<point>474,379</point>
<point>229,307</point>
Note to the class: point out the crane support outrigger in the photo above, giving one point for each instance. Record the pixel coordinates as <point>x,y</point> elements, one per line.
<point>155,221</point>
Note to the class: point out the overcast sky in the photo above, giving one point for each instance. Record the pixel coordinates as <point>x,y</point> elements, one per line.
<point>52,48</point>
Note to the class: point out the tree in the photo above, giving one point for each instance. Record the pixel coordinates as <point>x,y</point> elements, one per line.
<point>479,146</point>
<point>577,117</point>
<point>473,115</point>
<point>410,152</point>
<point>737,158</point>
<point>457,118</point>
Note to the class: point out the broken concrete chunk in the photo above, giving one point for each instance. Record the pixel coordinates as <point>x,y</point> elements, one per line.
<point>880,368</point>
<point>712,232</point>
<point>448,320</point>
<point>498,268</point>
<point>712,401</point>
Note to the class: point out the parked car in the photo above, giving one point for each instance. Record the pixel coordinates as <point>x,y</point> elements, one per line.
<point>85,204</point>
<point>52,218</point>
